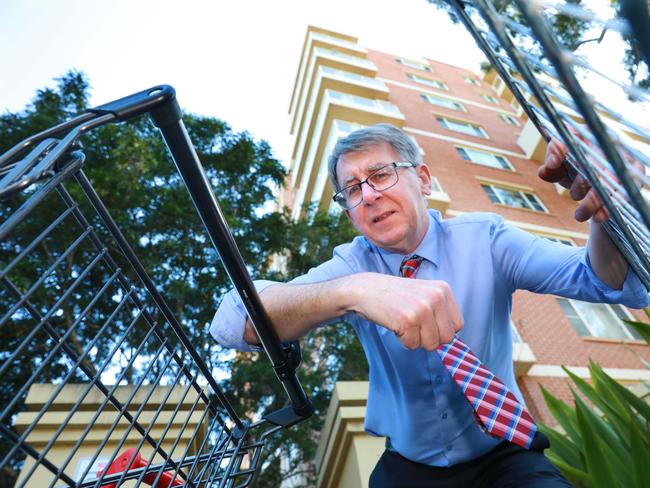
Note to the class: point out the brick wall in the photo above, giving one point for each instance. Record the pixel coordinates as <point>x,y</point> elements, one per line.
<point>539,319</point>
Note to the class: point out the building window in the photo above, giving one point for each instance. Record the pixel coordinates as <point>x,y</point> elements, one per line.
<point>444,102</point>
<point>484,158</point>
<point>513,198</point>
<point>464,127</point>
<point>471,81</point>
<point>509,120</point>
<point>561,240</point>
<point>413,64</point>
<point>598,319</point>
<point>489,98</point>
<point>427,81</point>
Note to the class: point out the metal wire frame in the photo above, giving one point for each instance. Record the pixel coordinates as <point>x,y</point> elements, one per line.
<point>601,153</point>
<point>57,285</point>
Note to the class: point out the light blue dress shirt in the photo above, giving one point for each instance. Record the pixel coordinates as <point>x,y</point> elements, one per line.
<point>412,398</point>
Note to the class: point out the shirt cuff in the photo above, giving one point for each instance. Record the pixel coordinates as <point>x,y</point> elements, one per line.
<point>633,294</point>
<point>229,323</point>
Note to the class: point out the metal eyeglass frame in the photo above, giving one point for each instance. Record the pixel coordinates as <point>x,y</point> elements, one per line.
<point>395,165</point>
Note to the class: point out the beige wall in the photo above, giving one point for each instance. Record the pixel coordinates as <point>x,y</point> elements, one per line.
<point>59,407</point>
<point>346,454</point>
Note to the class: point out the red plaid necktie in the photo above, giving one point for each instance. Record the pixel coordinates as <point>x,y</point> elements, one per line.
<point>496,409</point>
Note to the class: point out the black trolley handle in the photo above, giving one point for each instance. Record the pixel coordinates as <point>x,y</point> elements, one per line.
<point>161,104</point>
<point>40,155</point>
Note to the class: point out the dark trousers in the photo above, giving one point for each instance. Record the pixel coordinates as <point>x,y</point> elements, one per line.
<point>507,465</point>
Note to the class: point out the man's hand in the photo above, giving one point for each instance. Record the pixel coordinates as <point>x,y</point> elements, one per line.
<point>580,190</point>
<point>422,313</point>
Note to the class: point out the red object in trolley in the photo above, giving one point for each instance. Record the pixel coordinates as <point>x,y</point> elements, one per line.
<point>122,463</point>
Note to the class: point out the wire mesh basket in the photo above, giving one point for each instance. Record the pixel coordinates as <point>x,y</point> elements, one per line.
<point>104,388</point>
<point>546,79</point>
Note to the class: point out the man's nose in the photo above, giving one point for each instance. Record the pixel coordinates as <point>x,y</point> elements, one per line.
<point>369,193</point>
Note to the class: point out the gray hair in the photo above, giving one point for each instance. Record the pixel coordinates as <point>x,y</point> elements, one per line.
<point>362,139</point>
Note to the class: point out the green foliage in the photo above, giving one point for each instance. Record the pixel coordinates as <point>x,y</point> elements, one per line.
<point>606,444</point>
<point>571,32</point>
<point>130,169</point>
<point>328,354</point>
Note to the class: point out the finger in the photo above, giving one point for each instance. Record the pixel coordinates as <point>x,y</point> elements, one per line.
<point>579,188</point>
<point>443,321</point>
<point>410,337</point>
<point>588,207</point>
<point>429,335</point>
<point>553,170</point>
<point>457,320</point>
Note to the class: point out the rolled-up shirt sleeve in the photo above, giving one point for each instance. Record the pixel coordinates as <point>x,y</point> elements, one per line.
<point>229,322</point>
<point>539,265</point>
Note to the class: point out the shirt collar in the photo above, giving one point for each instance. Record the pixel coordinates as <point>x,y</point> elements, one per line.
<point>429,248</point>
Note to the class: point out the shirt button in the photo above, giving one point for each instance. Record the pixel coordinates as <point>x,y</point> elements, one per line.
<point>444,415</point>
<point>449,447</point>
<point>438,380</point>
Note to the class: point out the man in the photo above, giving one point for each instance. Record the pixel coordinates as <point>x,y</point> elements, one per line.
<point>467,270</point>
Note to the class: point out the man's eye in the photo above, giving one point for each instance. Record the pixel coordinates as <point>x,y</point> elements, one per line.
<point>380,175</point>
<point>353,190</point>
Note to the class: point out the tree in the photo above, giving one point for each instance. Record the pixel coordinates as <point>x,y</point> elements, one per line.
<point>572,33</point>
<point>133,174</point>
<point>329,354</point>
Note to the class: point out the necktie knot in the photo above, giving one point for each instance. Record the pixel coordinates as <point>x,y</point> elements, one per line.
<point>410,265</point>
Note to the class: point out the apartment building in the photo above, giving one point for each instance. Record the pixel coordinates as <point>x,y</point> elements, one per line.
<point>484,155</point>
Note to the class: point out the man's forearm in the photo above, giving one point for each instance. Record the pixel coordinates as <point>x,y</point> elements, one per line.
<point>295,309</point>
<point>607,262</point>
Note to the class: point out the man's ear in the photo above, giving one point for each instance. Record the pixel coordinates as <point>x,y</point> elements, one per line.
<point>425,178</point>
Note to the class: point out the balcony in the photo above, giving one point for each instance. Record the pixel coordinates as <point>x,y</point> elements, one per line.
<point>439,199</point>
<point>532,143</point>
<point>522,355</point>
<point>332,59</point>
<point>335,80</point>
<point>341,50</point>
<point>310,163</point>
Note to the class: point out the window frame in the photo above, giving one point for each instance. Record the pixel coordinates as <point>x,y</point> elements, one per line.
<point>442,120</point>
<point>490,99</point>
<point>466,150</point>
<point>440,85</point>
<point>471,81</point>
<point>414,64</point>
<point>506,118</point>
<point>524,194</point>
<point>584,322</point>
<point>567,241</point>
<point>459,106</point>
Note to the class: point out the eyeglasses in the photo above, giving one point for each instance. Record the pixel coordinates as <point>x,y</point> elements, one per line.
<point>379,180</point>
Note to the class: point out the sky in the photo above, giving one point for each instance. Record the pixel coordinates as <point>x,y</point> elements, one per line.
<point>234,60</point>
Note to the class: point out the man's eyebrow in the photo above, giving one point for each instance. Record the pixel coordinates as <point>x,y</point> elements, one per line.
<point>369,169</point>
<point>375,167</point>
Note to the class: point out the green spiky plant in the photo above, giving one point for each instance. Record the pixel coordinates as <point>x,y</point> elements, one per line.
<point>607,444</point>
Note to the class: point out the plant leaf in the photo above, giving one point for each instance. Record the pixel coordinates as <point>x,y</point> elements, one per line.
<point>564,414</point>
<point>642,328</point>
<point>576,476</point>
<point>598,464</point>
<point>563,448</point>
<point>640,454</point>
<point>613,447</point>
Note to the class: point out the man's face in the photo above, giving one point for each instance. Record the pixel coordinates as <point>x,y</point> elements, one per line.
<point>394,219</point>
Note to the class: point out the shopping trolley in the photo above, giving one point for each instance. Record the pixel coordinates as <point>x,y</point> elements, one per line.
<point>545,78</point>
<point>137,403</point>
